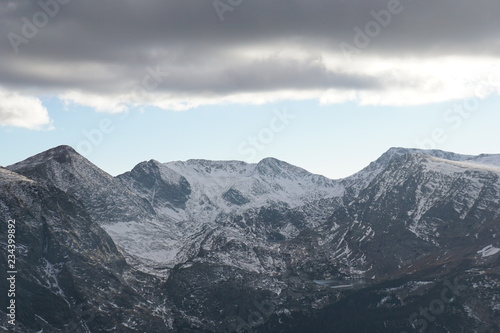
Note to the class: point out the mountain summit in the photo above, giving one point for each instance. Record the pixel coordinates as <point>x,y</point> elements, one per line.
<point>207,240</point>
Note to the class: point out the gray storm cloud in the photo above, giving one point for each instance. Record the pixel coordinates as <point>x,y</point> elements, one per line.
<point>105,47</point>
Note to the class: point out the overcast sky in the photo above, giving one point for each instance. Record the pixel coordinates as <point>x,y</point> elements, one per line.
<point>140,57</point>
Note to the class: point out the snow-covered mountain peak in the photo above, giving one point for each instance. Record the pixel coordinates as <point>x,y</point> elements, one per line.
<point>398,151</point>
<point>395,152</point>
<point>59,166</point>
<point>400,156</point>
<point>491,159</point>
<point>439,163</point>
<point>156,171</point>
<point>157,184</point>
<point>275,168</point>
<point>270,179</point>
<point>60,154</point>
<point>104,196</point>
<point>207,168</point>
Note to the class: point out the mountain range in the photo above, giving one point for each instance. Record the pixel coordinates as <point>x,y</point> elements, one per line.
<point>408,244</point>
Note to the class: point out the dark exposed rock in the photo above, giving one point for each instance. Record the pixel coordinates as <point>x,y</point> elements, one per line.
<point>368,256</point>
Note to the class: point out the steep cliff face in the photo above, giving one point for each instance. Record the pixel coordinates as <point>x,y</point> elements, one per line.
<point>225,246</point>
<point>160,186</point>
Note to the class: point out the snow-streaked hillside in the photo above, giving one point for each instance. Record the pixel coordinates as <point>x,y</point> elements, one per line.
<point>208,231</point>
<point>154,210</point>
<point>235,186</point>
<point>197,193</point>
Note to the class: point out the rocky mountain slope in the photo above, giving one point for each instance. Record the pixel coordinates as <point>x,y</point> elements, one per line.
<point>226,246</point>
<point>71,277</point>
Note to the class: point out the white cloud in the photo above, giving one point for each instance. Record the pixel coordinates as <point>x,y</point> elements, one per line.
<point>102,103</point>
<point>367,80</point>
<point>417,81</point>
<point>95,55</point>
<point>22,111</point>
